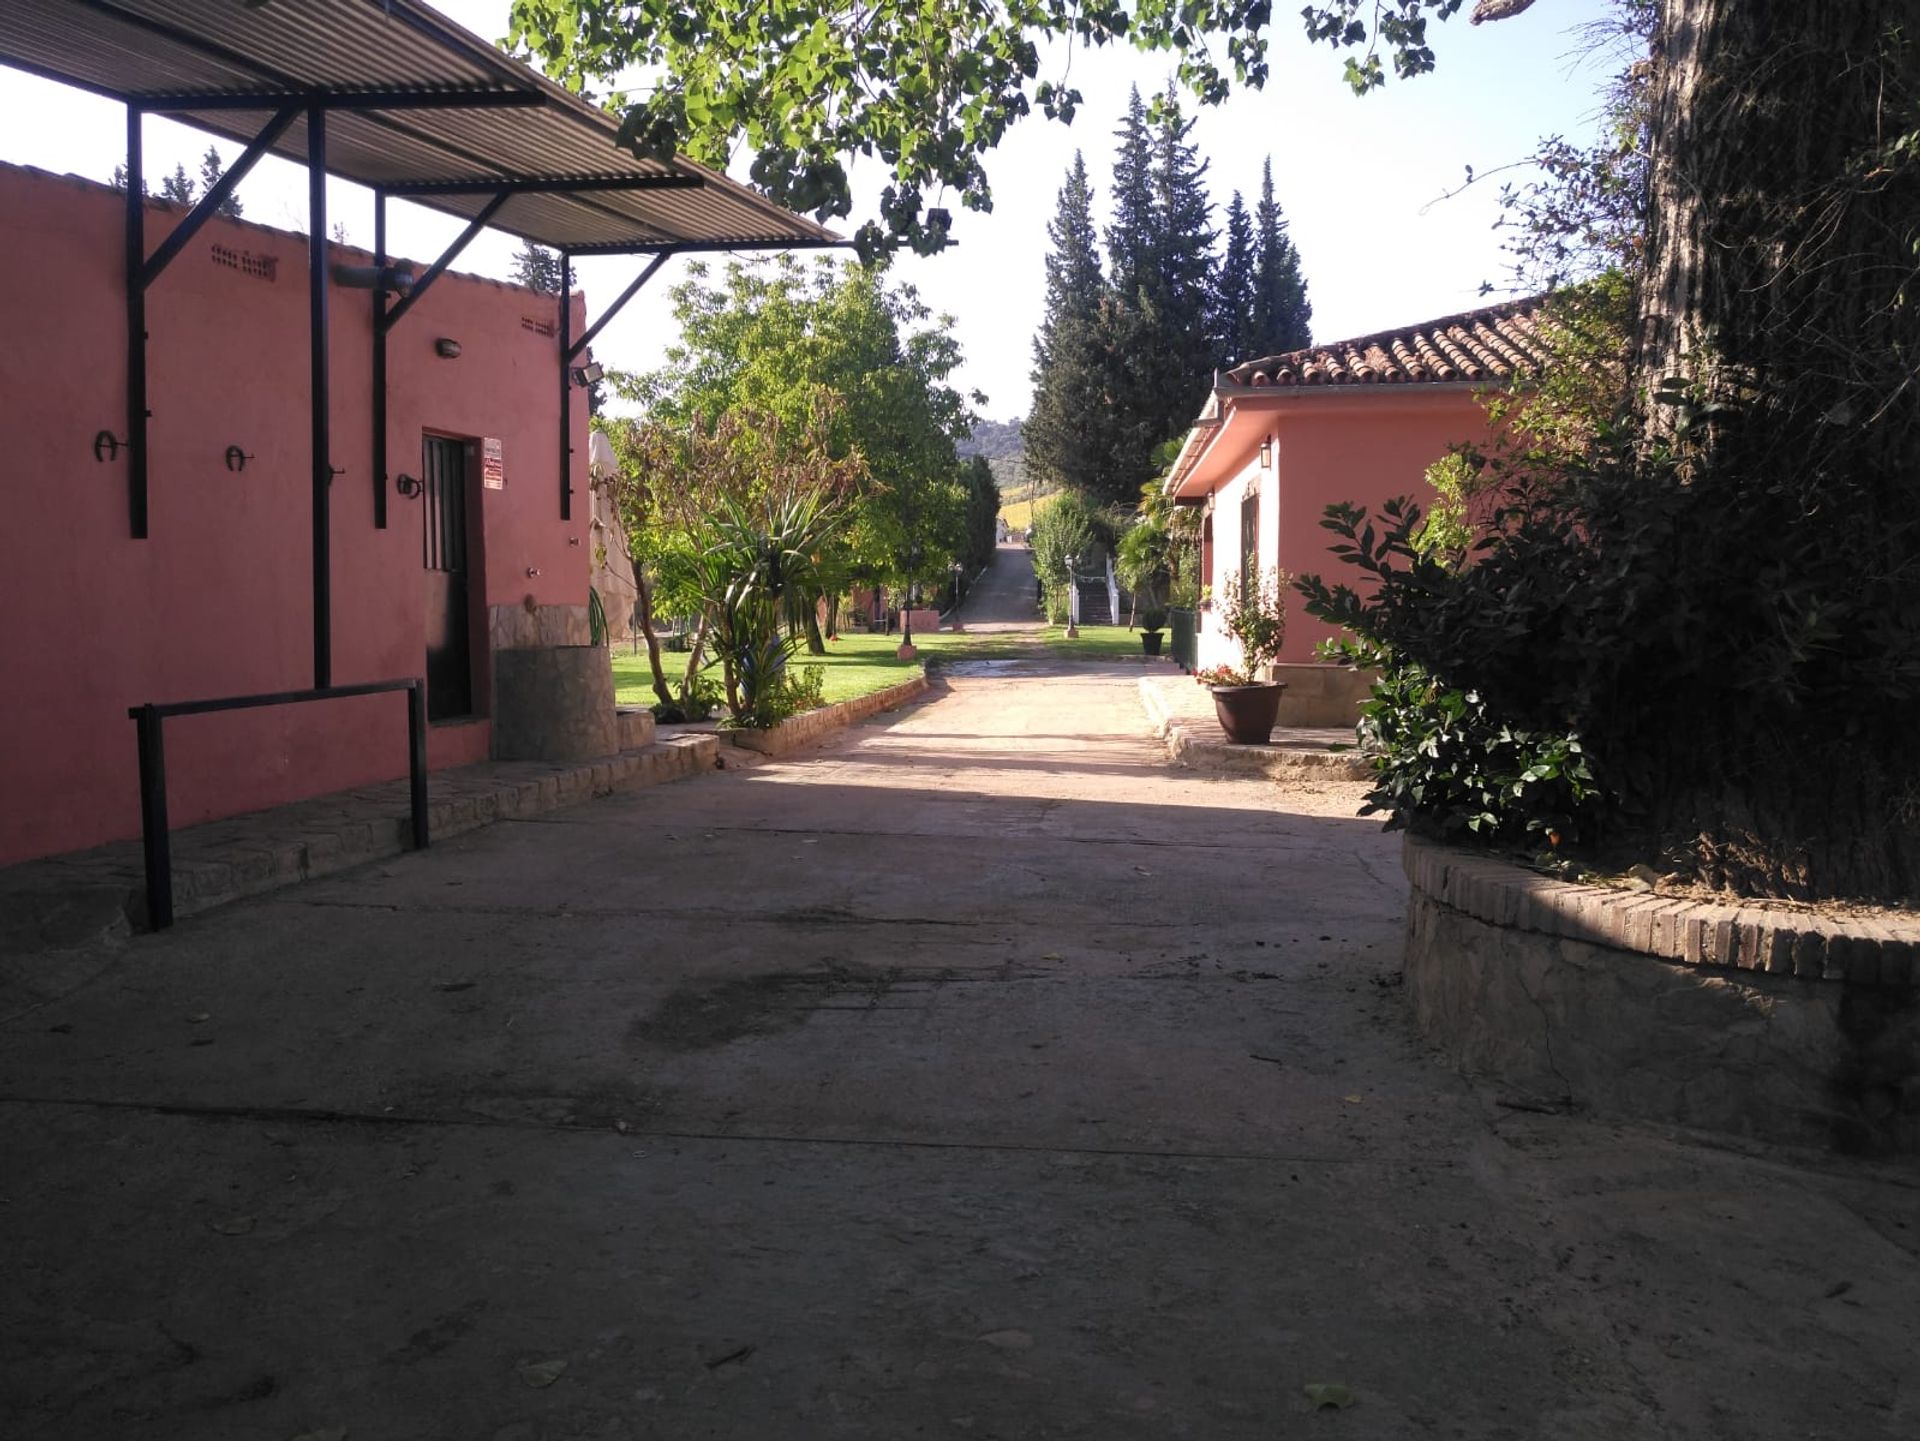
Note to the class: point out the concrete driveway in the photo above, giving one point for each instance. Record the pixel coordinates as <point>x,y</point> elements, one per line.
<point>977,1077</point>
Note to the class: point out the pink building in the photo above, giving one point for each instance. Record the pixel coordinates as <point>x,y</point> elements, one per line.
<point>217,599</point>
<point>1359,420</point>
<point>243,465</point>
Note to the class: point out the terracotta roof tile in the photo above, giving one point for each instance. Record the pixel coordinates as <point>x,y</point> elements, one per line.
<point>1494,343</point>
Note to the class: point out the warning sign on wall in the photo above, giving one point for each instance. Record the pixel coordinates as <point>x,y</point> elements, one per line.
<point>493,468</point>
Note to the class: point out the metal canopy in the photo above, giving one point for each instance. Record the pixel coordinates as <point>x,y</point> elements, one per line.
<point>416,103</point>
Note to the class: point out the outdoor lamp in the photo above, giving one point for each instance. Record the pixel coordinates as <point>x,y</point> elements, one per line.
<point>1266,452</point>
<point>585,375</point>
<point>447,348</point>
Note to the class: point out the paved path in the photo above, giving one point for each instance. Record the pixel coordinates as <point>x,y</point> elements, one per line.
<point>978,1077</point>
<point>1003,598</point>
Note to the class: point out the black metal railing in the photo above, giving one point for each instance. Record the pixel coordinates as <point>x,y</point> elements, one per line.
<point>1185,647</point>
<point>156,842</point>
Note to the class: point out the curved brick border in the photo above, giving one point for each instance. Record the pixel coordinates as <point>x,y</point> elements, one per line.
<point>1777,1024</point>
<point>811,726</point>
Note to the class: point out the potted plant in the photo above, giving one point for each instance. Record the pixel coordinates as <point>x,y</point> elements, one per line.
<point>1141,562</point>
<point>1153,620</point>
<point>1256,617</point>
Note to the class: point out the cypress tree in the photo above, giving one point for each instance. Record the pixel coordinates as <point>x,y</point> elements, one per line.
<point>1069,429</point>
<point>1233,327</point>
<point>1281,312</point>
<point>1131,236</point>
<point>1183,254</point>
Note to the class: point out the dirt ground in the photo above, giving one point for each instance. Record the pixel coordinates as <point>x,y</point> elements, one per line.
<point>976,1077</point>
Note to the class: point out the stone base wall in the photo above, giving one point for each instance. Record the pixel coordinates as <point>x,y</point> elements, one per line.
<point>520,627</point>
<point>1670,1010</point>
<point>553,703</point>
<point>1322,696</point>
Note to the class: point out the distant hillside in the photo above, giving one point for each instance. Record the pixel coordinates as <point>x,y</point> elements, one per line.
<point>995,439</point>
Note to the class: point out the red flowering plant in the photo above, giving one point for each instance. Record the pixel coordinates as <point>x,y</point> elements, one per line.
<point>1214,675</point>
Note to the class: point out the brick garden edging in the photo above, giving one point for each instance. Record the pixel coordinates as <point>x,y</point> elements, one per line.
<point>813,725</point>
<point>1774,1023</point>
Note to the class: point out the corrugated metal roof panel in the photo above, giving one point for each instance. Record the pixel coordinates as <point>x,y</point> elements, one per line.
<point>145,49</point>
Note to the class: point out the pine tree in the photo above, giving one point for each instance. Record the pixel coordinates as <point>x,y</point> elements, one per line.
<point>1233,327</point>
<point>177,187</point>
<point>1067,431</point>
<point>210,173</point>
<point>537,268</point>
<point>1281,312</point>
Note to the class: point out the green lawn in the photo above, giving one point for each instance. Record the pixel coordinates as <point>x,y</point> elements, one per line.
<point>858,664</point>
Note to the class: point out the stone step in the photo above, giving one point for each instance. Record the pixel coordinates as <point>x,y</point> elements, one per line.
<point>636,726</point>
<point>75,900</point>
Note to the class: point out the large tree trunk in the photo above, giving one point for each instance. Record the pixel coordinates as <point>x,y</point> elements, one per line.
<point>1781,220</point>
<point>1775,385</point>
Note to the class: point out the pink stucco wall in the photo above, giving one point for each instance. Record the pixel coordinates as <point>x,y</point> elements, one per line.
<point>218,601</point>
<point>1363,444</point>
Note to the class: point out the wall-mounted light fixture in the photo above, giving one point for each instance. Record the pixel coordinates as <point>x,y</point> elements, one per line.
<point>446,349</point>
<point>585,375</point>
<point>1266,452</point>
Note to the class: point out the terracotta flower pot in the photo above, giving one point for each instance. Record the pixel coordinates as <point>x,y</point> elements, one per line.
<point>1247,712</point>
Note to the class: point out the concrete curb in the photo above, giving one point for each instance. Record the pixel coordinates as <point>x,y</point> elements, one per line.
<point>100,894</point>
<point>814,725</point>
<point>1189,746</point>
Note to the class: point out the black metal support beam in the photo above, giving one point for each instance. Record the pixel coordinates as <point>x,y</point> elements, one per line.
<point>143,270</point>
<point>379,360</point>
<point>575,350</point>
<point>216,196</point>
<point>566,385</point>
<point>547,184</point>
<point>322,410</point>
<point>434,271</point>
<point>273,97</point>
<point>384,320</point>
<point>136,261</point>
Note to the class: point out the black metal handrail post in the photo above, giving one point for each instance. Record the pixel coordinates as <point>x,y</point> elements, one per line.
<point>156,841</point>
<point>156,851</point>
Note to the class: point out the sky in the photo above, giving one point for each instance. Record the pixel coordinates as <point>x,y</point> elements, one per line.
<point>1360,180</point>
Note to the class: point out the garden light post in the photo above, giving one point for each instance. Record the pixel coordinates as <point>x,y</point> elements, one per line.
<point>958,571</point>
<point>1073,599</point>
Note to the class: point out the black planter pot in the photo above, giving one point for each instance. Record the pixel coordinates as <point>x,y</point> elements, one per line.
<point>1150,641</point>
<point>1247,712</point>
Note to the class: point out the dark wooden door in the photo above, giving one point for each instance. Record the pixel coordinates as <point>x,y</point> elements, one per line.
<point>444,549</point>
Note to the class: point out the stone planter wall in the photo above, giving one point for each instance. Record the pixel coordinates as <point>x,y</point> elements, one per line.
<point>814,724</point>
<point>1775,1024</point>
<point>553,703</point>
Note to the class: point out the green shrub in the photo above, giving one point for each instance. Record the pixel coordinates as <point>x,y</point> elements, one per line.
<point>1440,757</point>
<point>795,691</point>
